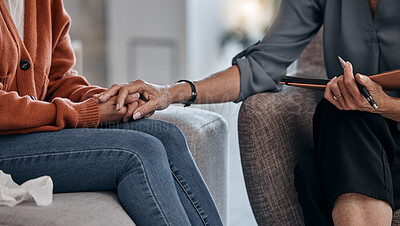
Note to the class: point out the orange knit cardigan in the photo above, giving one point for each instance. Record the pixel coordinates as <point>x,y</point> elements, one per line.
<point>40,91</point>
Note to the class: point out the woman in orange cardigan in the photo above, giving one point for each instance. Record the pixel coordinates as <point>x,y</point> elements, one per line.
<point>147,162</point>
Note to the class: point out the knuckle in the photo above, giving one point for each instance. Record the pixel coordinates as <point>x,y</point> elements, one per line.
<point>115,86</point>
<point>140,81</point>
<point>157,102</point>
<point>348,82</point>
<point>123,89</point>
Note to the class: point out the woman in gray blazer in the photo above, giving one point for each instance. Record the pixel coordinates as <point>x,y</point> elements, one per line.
<point>355,145</point>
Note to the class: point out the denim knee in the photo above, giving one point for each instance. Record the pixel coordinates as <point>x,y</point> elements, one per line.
<point>173,133</point>
<point>146,147</point>
<point>169,134</point>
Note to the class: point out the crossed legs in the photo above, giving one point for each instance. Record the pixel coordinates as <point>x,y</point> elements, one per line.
<point>347,179</point>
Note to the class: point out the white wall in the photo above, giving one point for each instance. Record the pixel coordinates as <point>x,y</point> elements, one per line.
<point>146,40</point>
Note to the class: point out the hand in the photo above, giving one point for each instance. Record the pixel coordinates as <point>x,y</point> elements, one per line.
<point>158,97</point>
<point>108,112</point>
<point>132,107</point>
<point>348,96</point>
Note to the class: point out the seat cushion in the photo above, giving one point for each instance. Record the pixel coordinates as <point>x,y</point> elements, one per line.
<point>84,208</point>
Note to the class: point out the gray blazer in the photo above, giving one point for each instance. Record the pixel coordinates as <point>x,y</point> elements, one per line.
<point>372,45</point>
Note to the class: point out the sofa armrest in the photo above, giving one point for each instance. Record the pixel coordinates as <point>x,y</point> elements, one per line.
<point>207,136</point>
<point>274,130</point>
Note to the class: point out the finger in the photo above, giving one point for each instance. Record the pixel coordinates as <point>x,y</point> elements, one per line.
<point>337,94</point>
<point>149,114</point>
<point>141,103</point>
<point>120,114</point>
<point>144,109</point>
<point>109,93</point>
<point>132,98</point>
<point>124,92</point>
<point>1,86</point>
<point>131,108</point>
<point>329,96</point>
<point>349,80</point>
<point>366,81</point>
<point>96,96</point>
<point>328,92</point>
<point>121,98</point>
<point>348,99</point>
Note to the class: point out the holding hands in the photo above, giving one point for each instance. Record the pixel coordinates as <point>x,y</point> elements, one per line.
<point>135,100</point>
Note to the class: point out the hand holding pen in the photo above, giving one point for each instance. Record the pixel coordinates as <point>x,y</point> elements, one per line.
<point>361,88</point>
<point>345,94</point>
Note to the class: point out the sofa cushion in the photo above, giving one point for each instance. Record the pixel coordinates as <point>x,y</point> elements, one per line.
<point>84,208</point>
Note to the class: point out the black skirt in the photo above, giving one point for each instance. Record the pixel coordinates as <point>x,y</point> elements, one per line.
<point>355,152</point>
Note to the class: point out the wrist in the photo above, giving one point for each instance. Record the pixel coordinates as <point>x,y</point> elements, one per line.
<point>391,105</point>
<point>180,92</point>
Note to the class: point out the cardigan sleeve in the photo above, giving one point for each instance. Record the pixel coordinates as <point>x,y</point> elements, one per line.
<point>68,102</point>
<point>63,81</point>
<point>25,115</point>
<point>263,64</point>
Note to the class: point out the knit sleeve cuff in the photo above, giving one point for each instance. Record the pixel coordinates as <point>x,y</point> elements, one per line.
<point>88,113</point>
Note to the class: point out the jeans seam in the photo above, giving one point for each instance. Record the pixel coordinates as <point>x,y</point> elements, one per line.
<point>187,195</point>
<point>149,186</point>
<point>99,150</point>
<point>68,152</point>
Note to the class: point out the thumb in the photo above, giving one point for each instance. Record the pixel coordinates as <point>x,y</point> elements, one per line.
<point>144,110</point>
<point>365,81</point>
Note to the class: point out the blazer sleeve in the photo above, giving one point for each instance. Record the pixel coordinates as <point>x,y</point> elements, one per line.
<point>262,65</point>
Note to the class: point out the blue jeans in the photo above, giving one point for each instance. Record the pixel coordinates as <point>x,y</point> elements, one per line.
<point>147,162</point>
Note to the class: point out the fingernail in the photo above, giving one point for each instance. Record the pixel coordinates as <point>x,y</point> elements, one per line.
<point>347,64</point>
<point>137,116</point>
<point>117,107</point>
<point>135,96</point>
<point>362,77</point>
<point>125,119</point>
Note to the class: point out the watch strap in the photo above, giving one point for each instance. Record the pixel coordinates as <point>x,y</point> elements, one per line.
<point>194,93</point>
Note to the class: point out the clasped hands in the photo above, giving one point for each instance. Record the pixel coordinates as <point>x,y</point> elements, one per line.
<point>133,100</point>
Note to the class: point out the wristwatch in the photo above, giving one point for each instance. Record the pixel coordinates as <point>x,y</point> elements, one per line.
<point>194,94</point>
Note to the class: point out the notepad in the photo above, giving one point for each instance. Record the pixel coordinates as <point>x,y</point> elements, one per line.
<point>388,80</point>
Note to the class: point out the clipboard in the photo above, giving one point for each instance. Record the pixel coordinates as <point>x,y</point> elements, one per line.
<point>388,80</point>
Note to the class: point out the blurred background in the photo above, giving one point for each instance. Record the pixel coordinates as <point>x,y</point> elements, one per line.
<point>164,41</point>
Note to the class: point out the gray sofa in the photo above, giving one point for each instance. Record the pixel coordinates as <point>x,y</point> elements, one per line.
<point>275,130</point>
<point>206,133</point>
